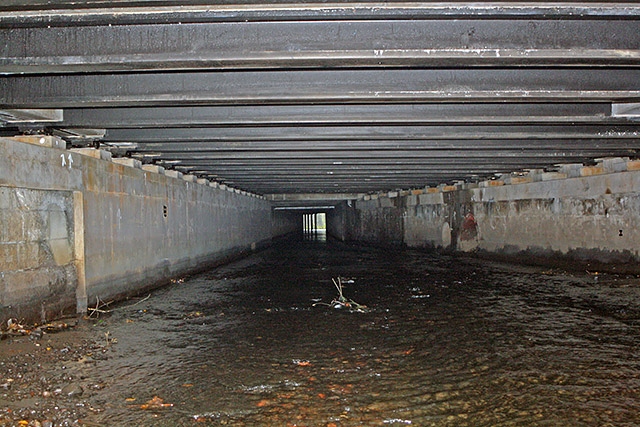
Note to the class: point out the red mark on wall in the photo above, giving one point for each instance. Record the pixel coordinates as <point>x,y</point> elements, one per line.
<point>469,229</point>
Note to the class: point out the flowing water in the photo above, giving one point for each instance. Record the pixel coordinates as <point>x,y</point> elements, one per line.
<point>445,341</point>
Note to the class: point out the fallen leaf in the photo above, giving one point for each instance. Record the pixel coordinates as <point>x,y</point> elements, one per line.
<point>155,403</point>
<point>263,403</point>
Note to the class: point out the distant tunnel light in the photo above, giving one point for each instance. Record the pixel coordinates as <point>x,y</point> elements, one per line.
<point>314,223</point>
<point>303,208</point>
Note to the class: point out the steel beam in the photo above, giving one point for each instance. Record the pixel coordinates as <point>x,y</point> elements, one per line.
<point>122,12</point>
<point>344,114</point>
<point>185,138</point>
<point>320,86</point>
<point>434,43</point>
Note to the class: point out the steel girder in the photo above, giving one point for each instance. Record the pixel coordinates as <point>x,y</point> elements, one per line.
<point>330,98</point>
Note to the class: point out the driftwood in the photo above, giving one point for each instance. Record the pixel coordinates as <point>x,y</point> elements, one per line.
<point>342,301</point>
<point>100,306</point>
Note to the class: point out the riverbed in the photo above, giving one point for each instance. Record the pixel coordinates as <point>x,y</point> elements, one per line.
<point>437,340</point>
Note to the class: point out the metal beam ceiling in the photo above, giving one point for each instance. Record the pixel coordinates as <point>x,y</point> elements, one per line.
<point>316,98</point>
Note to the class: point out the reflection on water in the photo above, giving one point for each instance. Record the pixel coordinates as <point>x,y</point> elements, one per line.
<point>319,236</point>
<point>447,342</point>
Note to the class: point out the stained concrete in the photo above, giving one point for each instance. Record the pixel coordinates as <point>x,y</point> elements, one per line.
<point>139,228</point>
<point>585,213</point>
<point>38,278</point>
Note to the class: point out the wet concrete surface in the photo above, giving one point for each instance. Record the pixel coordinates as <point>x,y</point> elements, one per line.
<point>445,341</point>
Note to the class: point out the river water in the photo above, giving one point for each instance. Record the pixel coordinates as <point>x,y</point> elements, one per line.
<point>444,341</point>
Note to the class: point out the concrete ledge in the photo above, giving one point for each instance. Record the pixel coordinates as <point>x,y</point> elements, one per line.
<point>613,164</point>
<point>173,174</point>
<point>153,169</point>
<point>491,183</point>
<point>127,161</point>
<point>591,170</point>
<point>633,165</point>
<point>93,152</point>
<point>551,176</point>
<point>515,180</point>
<point>202,181</point>
<point>189,178</point>
<point>42,140</point>
<point>571,170</point>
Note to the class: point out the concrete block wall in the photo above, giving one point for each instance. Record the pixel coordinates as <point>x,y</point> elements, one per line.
<point>584,213</point>
<point>139,227</point>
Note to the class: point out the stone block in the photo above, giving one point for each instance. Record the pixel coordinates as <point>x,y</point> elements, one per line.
<point>417,192</point>
<point>93,152</point>
<point>202,181</point>
<point>392,194</point>
<point>127,161</point>
<point>412,200</point>
<point>153,168</point>
<point>448,188</point>
<point>432,190</point>
<point>591,170</point>
<point>189,178</point>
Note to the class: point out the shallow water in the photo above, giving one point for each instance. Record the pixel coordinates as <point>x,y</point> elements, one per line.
<point>446,341</point>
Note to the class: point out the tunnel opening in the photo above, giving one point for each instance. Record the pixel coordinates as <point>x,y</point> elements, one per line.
<point>314,226</point>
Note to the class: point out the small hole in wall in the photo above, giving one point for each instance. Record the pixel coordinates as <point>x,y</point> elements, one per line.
<point>165,211</point>
<point>620,233</point>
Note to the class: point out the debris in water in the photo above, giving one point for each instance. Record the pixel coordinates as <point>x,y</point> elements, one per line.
<point>16,328</point>
<point>342,301</point>
<point>155,403</point>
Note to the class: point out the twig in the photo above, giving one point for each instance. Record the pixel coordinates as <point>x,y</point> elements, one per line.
<point>98,310</point>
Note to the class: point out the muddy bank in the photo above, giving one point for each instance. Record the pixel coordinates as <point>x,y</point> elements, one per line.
<point>47,379</point>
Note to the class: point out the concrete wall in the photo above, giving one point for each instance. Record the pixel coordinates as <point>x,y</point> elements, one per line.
<point>285,222</point>
<point>581,213</point>
<point>138,228</point>
<point>38,277</point>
